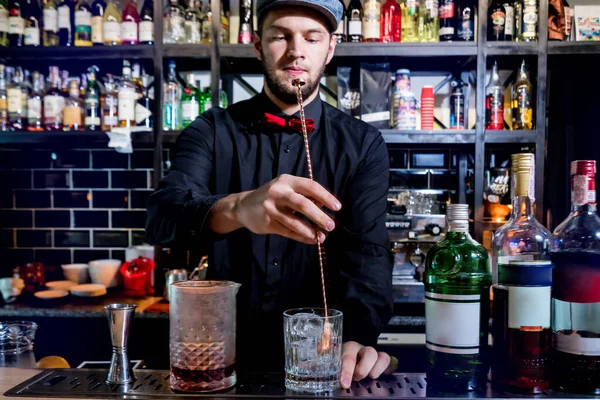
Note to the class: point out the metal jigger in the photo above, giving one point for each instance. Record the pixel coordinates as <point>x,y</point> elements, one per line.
<point>119,320</point>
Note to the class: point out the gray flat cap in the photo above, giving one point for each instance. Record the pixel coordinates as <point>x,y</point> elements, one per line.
<point>332,10</point>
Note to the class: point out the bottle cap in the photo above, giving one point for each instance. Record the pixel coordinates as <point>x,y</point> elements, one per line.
<point>457,212</point>
<point>584,167</point>
<point>522,167</point>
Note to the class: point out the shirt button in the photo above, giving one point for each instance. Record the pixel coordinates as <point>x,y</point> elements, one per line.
<point>286,150</point>
<point>274,262</point>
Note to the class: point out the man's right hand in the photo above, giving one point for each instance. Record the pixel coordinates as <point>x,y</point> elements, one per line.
<point>273,208</point>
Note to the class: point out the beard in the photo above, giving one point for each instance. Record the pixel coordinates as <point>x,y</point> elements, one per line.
<point>282,90</point>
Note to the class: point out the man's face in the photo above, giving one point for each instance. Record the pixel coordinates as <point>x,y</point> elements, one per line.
<point>294,43</point>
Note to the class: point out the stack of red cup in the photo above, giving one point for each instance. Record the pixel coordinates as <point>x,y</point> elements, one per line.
<point>427,106</point>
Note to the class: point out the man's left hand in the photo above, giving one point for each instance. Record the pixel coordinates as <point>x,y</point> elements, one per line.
<point>360,361</point>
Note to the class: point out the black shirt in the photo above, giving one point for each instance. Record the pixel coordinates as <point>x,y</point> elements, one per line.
<point>231,151</point>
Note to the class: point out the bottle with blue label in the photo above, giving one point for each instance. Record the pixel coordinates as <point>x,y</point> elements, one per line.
<point>457,282</point>
<point>522,299</point>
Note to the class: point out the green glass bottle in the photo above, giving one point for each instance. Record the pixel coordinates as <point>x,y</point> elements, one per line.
<point>190,102</point>
<point>457,285</point>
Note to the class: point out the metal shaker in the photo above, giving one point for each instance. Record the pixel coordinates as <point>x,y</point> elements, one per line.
<point>119,321</point>
<point>171,276</point>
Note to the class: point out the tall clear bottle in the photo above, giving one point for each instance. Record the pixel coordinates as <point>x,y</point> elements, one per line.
<point>34,104</point>
<point>111,31</point>
<point>190,102</point>
<point>173,23</point>
<point>193,23</point>
<point>109,101</point>
<point>494,101</point>
<point>3,100</point>
<point>522,299</point>
<point>93,111</point>
<point>127,98</point>
<point>17,111</point>
<point>54,102</point>
<point>83,23</point>
<point>429,21</point>
<point>575,288</point>
<point>172,101</point>
<point>371,29</point>
<point>457,282</point>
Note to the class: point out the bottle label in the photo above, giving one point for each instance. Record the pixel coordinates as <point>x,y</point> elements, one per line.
<point>529,296</point>
<point>433,7</point>
<point>457,111</point>
<point>129,31</point>
<point>146,31</point>
<point>510,20</point>
<point>50,20</point>
<point>498,19</point>
<point>453,323</point>
<point>141,113</point>
<point>495,107</point>
<point>189,110</point>
<point>447,11</point>
<point>15,103</point>
<point>111,120</point>
<point>34,109</point>
<point>446,31</point>
<point>32,36</point>
<point>193,31</point>
<point>64,17</point>
<point>92,121</point>
<point>583,190</point>
<point>83,21</point>
<point>372,21</point>
<point>530,19</point>
<point>355,28</point>
<point>16,25</point>
<point>411,7</point>
<point>126,104</point>
<point>466,29</point>
<point>112,31</point>
<point>97,27</point>
<point>177,27</point>
<point>72,116</point>
<point>575,343</point>
<point>3,20</point>
<point>53,107</point>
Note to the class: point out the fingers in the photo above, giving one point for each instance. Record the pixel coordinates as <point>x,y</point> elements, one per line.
<point>294,224</point>
<point>301,204</point>
<point>381,365</point>
<point>349,358</point>
<point>367,357</point>
<point>279,229</point>
<point>314,191</point>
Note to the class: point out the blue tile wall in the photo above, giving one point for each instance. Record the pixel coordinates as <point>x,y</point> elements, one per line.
<point>61,206</point>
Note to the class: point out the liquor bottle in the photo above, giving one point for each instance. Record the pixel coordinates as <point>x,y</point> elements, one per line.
<point>129,23</point>
<point>127,98</point>
<point>193,23</point>
<point>457,105</point>
<point>518,10</point>
<point>529,23</point>
<point>223,101</point>
<point>93,113</point>
<point>34,104</point>
<point>457,282</point>
<point>391,16</point>
<point>494,101</point>
<point>65,29</point>
<point>190,102</point>
<point>245,35</point>
<point>224,32</point>
<point>50,24</point>
<point>98,8</point>
<point>111,25</point>
<point>447,20</point>
<point>54,102</point>
<point>144,106</point>
<point>83,23</point>
<point>16,23</point>
<point>410,21</point>
<point>509,22</point>
<point>206,101</point>
<point>173,23</point>
<point>206,27</point>
<point>74,109</point>
<point>171,101</point>
<point>429,21</point>
<point>3,100</point>
<point>33,23</point>
<point>146,26</point>
<point>371,29</point>
<point>465,20</point>
<point>521,307</point>
<point>522,112</point>
<point>3,23</point>
<point>575,294</point>
<point>496,21</point>
<point>17,111</point>
<point>354,21</point>
<point>136,78</point>
<point>109,103</point>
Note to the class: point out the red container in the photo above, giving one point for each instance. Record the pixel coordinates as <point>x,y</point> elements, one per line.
<point>427,107</point>
<point>137,276</point>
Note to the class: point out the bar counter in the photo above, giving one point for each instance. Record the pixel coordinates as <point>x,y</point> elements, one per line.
<point>84,384</point>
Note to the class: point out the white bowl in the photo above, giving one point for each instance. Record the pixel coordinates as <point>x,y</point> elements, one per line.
<point>77,273</point>
<point>88,290</point>
<point>105,272</point>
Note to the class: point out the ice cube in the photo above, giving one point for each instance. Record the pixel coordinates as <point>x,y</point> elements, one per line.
<point>308,325</point>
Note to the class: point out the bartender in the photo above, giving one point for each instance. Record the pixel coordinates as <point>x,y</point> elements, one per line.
<point>238,187</point>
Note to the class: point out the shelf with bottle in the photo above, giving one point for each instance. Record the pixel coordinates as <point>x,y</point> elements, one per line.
<point>55,25</point>
<point>74,103</point>
<point>79,53</point>
<point>437,136</point>
<point>510,136</point>
<point>513,26</point>
<point>511,48</point>
<point>573,47</point>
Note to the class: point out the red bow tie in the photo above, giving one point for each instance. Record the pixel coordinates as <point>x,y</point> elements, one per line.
<point>293,125</point>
